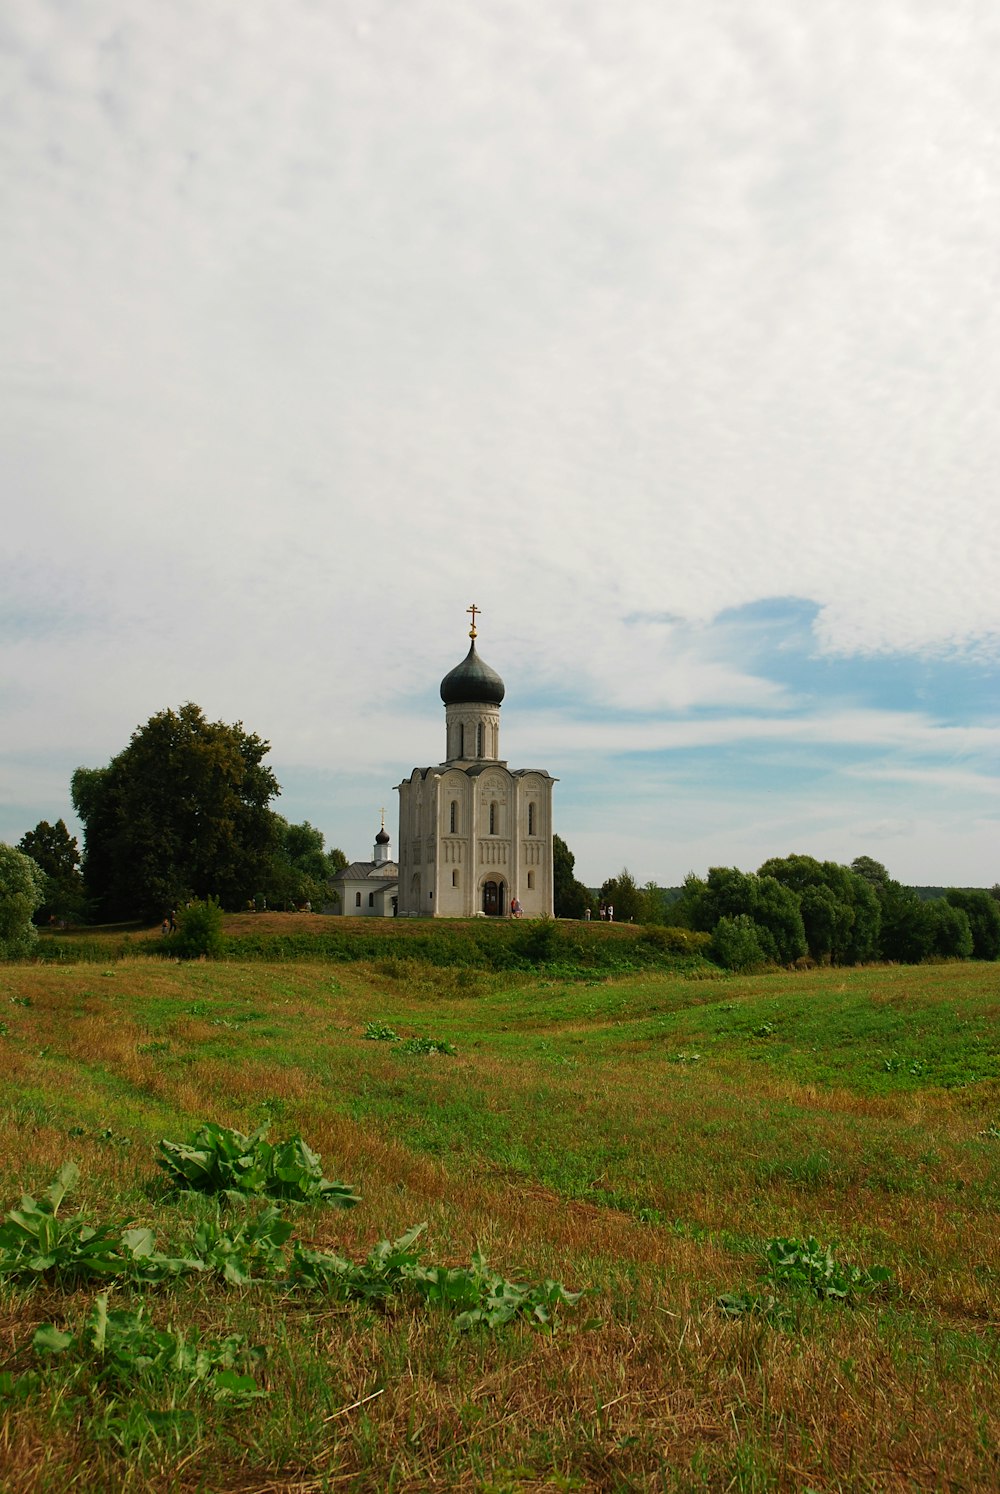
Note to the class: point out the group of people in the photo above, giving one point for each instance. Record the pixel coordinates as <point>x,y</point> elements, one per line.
<point>516,911</point>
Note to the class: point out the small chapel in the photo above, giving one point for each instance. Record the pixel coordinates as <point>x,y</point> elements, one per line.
<point>475,836</point>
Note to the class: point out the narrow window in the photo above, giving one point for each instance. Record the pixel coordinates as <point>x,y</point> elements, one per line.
<point>357,899</point>
<point>453,825</point>
<point>531,879</point>
<point>461,739</point>
<point>454,878</point>
<point>371,899</point>
<point>531,819</point>
<point>479,739</point>
<point>493,819</point>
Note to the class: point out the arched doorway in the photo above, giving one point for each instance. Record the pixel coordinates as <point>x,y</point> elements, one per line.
<point>495,899</point>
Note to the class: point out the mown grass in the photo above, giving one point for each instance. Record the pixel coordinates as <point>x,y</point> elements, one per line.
<point>641,1135</point>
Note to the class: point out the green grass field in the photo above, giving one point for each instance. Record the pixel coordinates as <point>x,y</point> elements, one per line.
<point>641,1136</point>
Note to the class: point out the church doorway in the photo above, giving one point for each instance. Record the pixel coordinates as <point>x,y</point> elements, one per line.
<point>494,899</point>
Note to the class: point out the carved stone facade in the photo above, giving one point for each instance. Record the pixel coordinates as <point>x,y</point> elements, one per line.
<point>474,834</point>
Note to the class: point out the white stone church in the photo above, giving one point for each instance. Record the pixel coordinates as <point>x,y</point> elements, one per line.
<point>474,835</point>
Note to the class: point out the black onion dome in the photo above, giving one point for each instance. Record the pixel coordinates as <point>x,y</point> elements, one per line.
<point>472,683</point>
<point>382,838</point>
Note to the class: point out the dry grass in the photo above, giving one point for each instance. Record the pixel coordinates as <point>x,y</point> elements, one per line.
<point>564,1141</point>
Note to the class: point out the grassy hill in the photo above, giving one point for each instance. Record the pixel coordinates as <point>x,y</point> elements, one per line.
<point>641,1135</point>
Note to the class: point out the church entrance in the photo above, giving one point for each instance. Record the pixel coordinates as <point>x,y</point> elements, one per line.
<point>494,899</point>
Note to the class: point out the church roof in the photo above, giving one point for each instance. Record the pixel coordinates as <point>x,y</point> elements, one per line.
<point>472,682</point>
<point>369,871</point>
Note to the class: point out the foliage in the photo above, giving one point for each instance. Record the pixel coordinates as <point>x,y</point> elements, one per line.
<point>735,944</point>
<point>949,929</point>
<point>476,1294</point>
<point>300,869</point>
<point>810,1267</point>
<point>425,1046</point>
<point>773,908</point>
<point>840,910</point>
<point>35,1242</point>
<point>199,931</point>
<point>22,889</point>
<point>537,941</point>
<point>806,1263</point>
<point>631,903</point>
<point>123,1351</point>
<point>242,1251</point>
<point>570,899</point>
<point>220,1160</point>
<point>56,852</point>
<point>380,1032</point>
<point>983,913</point>
<point>182,811</point>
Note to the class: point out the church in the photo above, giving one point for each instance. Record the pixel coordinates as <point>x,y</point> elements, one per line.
<point>475,836</point>
<point>367,889</point>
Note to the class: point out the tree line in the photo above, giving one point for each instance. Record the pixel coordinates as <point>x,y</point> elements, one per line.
<point>796,907</point>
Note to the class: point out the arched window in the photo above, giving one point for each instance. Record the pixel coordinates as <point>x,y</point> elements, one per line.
<point>357,899</point>
<point>531,879</point>
<point>493,818</point>
<point>479,739</point>
<point>453,818</point>
<point>371,899</point>
<point>454,877</point>
<point>461,739</point>
<point>531,819</point>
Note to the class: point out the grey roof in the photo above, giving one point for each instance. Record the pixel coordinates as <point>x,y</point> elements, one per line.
<point>472,682</point>
<point>365,871</point>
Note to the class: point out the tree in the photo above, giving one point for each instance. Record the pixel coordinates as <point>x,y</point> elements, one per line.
<point>57,854</point>
<point>570,898</point>
<point>22,887</point>
<point>951,933</point>
<point>736,944</point>
<point>728,892</point>
<point>629,901</point>
<point>984,920</point>
<point>839,906</point>
<point>300,868</point>
<point>181,812</point>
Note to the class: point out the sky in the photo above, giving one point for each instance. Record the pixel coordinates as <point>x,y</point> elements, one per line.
<point>667,334</point>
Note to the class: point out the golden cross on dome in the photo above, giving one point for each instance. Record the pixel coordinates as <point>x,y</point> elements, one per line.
<point>473,609</point>
<point>382,813</point>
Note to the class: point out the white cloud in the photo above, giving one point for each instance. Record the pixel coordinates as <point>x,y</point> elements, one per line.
<point>323,322</point>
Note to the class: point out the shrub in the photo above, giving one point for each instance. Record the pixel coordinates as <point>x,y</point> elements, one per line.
<point>200,932</point>
<point>736,945</point>
<point>22,889</point>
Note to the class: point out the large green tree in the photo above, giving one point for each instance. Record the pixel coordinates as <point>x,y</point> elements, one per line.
<point>301,869</point>
<point>728,892</point>
<point>22,887</point>
<point>840,908</point>
<point>983,914</point>
<point>181,812</point>
<point>569,897</point>
<point>57,853</point>
<point>906,931</point>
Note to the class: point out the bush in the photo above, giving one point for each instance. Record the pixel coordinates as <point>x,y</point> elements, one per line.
<point>22,889</point>
<point>199,934</point>
<point>735,944</point>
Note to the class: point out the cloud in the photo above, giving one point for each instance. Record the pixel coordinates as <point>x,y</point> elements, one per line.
<point>322,323</point>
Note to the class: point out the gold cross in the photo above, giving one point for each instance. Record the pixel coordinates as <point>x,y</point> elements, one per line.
<point>473,609</point>
<point>382,813</point>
